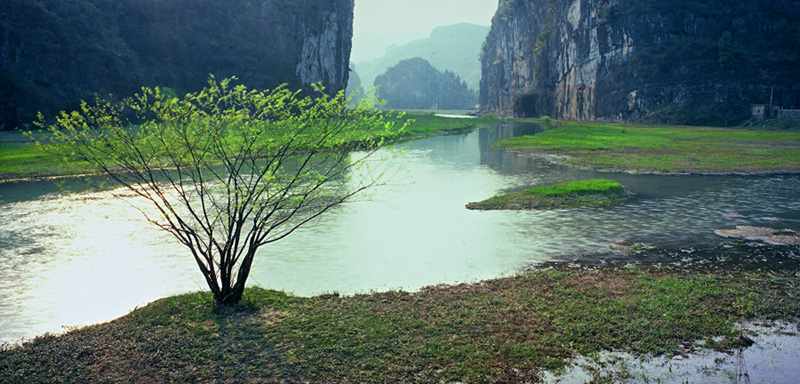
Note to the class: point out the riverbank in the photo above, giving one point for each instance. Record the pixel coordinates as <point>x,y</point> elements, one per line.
<point>22,160</point>
<point>503,330</point>
<point>663,149</point>
<point>426,124</point>
<point>773,147</point>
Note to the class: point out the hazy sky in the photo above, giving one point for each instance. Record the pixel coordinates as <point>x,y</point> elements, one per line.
<point>390,16</point>
<point>381,23</point>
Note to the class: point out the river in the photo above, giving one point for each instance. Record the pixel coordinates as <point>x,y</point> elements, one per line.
<point>78,259</point>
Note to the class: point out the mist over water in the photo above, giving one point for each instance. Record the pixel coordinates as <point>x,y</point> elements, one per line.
<point>85,258</point>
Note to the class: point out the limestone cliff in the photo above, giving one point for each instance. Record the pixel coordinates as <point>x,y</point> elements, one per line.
<point>327,40</point>
<point>54,53</point>
<point>677,61</point>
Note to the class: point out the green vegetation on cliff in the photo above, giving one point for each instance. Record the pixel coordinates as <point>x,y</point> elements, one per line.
<point>664,149</point>
<point>578,193</point>
<point>503,330</point>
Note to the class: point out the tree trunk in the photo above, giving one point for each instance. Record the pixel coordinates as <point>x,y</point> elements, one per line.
<point>236,295</point>
<point>232,293</point>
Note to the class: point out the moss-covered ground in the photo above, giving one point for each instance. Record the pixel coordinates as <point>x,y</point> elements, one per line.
<point>596,192</point>
<point>664,149</point>
<point>504,330</point>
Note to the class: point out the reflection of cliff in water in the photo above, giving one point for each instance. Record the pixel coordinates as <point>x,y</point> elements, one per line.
<point>506,161</point>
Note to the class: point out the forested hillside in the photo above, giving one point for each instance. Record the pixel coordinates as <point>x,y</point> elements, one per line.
<point>54,52</point>
<point>416,84</point>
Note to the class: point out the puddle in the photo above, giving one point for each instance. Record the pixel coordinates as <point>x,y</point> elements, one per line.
<point>773,358</point>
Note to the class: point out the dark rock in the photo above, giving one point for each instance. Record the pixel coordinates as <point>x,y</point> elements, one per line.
<point>763,234</point>
<point>673,61</point>
<point>54,53</point>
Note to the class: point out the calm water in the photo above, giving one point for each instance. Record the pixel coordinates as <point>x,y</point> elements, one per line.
<point>79,259</point>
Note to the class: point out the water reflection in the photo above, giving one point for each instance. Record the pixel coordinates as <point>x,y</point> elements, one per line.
<point>85,258</point>
<point>503,161</point>
<point>79,259</point>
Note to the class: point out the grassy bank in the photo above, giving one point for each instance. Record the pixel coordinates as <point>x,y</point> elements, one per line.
<point>427,124</point>
<point>578,193</point>
<point>503,330</point>
<point>21,159</point>
<point>664,149</point>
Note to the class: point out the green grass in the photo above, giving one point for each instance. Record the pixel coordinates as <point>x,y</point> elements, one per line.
<point>502,330</point>
<point>21,159</point>
<point>26,161</point>
<point>774,148</point>
<point>578,193</point>
<point>182,338</point>
<point>665,149</point>
<point>427,123</point>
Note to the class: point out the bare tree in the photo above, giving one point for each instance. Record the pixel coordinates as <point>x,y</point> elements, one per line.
<point>227,169</point>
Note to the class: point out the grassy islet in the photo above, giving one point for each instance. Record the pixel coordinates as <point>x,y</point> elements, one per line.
<point>595,192</point>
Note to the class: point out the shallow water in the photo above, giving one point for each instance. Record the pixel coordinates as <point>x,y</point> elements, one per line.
<point>84,258</point>
<point>771,359</point>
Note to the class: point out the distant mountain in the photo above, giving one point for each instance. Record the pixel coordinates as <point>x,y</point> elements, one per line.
<point>354,88</point>
<point>453,48</point>
<point>416,84</point>
<point>372,45</point>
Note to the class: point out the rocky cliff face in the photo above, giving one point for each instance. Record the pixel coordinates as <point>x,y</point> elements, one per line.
<point>54,53</point>
<point>327,41</point>
<point>674,61</point>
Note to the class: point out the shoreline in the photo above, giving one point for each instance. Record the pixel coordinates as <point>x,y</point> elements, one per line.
<point>47,166</point>
<point>642,149</point>
<point>433,125</point>
<point>536,321</point>
<point>553,160</point>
